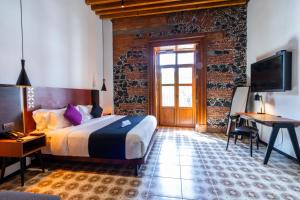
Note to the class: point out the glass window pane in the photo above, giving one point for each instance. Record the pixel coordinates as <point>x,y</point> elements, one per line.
<point>186,58</point>
<point>185,75</point>
<point>185,96</point>
<point>167,59</point>
<point>186,47</point>
<point>167,75</point>
<point>167,48</point>
<point>168,96</point>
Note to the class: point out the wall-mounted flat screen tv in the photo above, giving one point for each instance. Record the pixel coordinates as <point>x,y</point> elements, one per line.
<point>272,74</point>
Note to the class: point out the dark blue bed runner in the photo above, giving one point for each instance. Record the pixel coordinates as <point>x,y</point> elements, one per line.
<point>109,141</point>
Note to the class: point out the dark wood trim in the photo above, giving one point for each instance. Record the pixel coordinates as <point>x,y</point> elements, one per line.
<point>152,84</point>
<point>11,107</point>
<point>144,2</point>
<point>201,82</point>
<point>114,10</point>
<point>184,39</point>
<point>28,122</point>
<point>140,5</point>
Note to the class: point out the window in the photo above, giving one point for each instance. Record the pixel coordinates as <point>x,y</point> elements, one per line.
<point>185,75</point>
<point>167,76</point>
<point>186,58</point>
<point>185,96</point>
<point>168,98</point>
<point>186,47</point>
<point>167,59</point>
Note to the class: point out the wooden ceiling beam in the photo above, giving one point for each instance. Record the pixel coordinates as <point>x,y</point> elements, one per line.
<point>174,9</point>
<point>130,4</point>
<point>159,6</point>
<point>95,2</point>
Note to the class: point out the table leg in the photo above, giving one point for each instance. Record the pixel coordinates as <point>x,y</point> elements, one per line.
<point>136,170</point>
<point>40,156</point>
<point>254,124</point>
<point>22,168</point>
<point>272,140</point>
<point>3,167</point>
<point>228,140</point>
<point>229,126</point>
<point>251,144</point>
<point>294,141</point>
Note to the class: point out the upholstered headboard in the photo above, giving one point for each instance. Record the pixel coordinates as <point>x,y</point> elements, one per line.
<point>54,98</point>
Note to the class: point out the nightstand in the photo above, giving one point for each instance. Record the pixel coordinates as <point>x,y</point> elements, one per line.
<point>21,149</point>
<point>105,114</point>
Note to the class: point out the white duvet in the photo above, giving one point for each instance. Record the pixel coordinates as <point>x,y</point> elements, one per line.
<point>73,141</point>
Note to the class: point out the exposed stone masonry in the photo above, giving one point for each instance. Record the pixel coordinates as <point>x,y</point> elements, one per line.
<point>224,71</point>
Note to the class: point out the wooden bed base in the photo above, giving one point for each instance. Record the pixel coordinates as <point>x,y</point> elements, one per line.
<point>136,162</point>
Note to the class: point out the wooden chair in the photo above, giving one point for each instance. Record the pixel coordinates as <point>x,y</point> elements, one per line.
<point>248,131</point>
<point>237,127</point>
<point>239,104</point>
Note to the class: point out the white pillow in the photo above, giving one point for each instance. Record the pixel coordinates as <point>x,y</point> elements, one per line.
<point>57,119</point>
<point>85,112</point>
<point>41,118</point>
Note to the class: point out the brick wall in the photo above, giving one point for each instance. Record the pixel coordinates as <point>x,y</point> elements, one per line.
<point>131,57</point>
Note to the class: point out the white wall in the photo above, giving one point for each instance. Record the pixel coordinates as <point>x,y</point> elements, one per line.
<point>107,97</point>
<point>274,25</point>
<point>62,44</point>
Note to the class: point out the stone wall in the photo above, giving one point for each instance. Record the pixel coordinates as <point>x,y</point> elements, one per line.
<point>131,57</point>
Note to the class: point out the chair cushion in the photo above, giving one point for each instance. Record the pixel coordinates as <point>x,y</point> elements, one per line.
<point>234,116</point>
<point>9,195</point>
<point>246,129</point>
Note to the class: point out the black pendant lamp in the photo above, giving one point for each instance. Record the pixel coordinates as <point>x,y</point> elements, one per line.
<point>103,88</point>
<point>23,79</point>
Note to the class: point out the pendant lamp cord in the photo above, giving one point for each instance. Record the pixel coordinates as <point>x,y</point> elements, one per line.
<point>102,49</point>
<point>22,28</point>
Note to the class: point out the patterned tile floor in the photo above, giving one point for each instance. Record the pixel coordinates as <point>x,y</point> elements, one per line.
<point>183,164</point>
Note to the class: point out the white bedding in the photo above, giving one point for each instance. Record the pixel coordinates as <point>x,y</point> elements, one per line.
<point>73,141</point>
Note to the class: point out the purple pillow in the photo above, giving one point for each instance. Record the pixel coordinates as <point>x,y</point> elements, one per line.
<point>73,115</point>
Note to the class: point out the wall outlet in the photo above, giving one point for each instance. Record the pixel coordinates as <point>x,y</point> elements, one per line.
<point>8,126</point>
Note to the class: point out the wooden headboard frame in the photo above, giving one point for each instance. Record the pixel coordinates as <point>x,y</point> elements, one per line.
<point>11,107</point>
<point>54,98</point>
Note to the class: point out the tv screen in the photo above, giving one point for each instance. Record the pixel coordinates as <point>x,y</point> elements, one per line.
<point>272,74</point>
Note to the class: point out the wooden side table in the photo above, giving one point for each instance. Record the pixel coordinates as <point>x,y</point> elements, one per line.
<point>105,114</point>
<point>21,149</point>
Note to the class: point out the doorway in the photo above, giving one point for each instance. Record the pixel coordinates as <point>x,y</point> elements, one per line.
<point>176,84</point>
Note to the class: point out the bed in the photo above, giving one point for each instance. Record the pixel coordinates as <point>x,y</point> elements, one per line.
<point>100,140</point>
